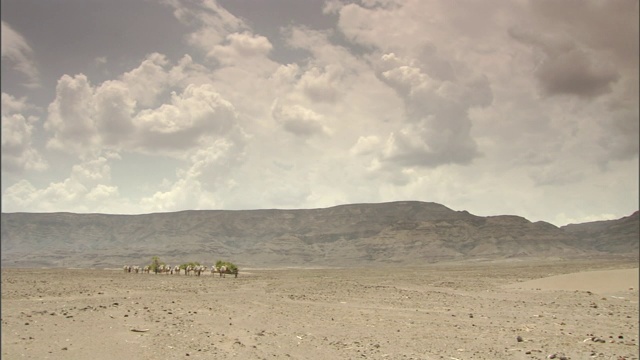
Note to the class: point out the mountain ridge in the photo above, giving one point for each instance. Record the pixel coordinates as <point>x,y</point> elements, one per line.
<point>366,234</point>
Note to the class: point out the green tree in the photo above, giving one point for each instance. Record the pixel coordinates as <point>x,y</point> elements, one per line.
<point>155,264</point>
<point>231,267</point>
<point>192,263</point>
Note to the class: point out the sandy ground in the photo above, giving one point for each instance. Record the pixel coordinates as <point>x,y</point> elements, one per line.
<point>507,310</point>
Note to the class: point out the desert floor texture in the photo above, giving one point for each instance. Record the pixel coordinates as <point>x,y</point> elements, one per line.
<point>493,310</point>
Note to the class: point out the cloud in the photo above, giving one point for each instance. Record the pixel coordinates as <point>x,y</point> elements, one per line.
<point>556,175</point>
<point>620,137</point>
<point>100,61</point>
<point>209,173</point>
<point>185,194</point>
<point>212,21</point>
<point>323,51</point>
<point>11,105</point>
<point>430,76</point>
<point>71,116</point>
<point>128,114</point>
<point>187,72</point>
<point>87,189</point>
<point>375,101</point>
<point>198,111</point>
<point>566,69</point>
<point>285,74</point>
<point>298,120</point>
<point>436,112</point>
<point>16,50</point>
<point>608,26</point>
<point>17,147</point>
<point>132,114</point>
<point>241,46</point>
<point>146,82</point>
<point>90,187</point>
<point>321,85</point>
<point>84,118</point>
<point>366,145</point>
<point>91,172</point>
<point>102,193</point>
<point>360,24</point>
<point>18,151</point>
<point>582,48</point>
<point>243,54</point>
<point>115,107</point>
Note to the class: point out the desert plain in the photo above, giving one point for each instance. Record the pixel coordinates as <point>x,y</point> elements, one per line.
<point>542,309</point>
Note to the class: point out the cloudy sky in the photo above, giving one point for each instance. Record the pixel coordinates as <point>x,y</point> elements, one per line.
<point>527,108</point>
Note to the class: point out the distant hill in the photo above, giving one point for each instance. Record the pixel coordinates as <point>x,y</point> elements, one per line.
<point>404,232</point>
<point>613,236</point>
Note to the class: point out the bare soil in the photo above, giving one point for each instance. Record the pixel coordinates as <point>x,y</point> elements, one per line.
<point>500,310</point>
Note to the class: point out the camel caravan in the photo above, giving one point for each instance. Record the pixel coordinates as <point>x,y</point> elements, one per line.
<point>189,269</point>
<point>134,269</point>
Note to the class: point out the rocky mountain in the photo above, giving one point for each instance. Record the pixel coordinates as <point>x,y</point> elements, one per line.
<point>613,236</point>
<point>404,232</point>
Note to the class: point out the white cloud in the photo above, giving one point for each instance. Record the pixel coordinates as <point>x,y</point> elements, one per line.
<point>298,120</point>
<point>11,105</point>
<point>523,107</point>
<point>241,46</point>
<point>286,74</point>
<point>321,84</point>
<point>436,112</point>
<point>199,111</point>
<point>146,82</point>
<point>19,197</point>
<point>87,189</point>
<point>71,116</point>
<point>16,50</point>
<point>102,193</point>
<point>366,145</point>
<point>18,152</point>
<point>185,194</point>
<point>214,23</point>
<point>114,109</point>
<point>118,114</point>
<point>210,171</point>
<point>324,53</point>
<point>92,172</point>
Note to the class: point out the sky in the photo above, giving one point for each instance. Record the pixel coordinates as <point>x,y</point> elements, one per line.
<point>525,108</point>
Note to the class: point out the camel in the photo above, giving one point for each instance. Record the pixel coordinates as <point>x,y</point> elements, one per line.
<point>223,270</point>
<point>199,269</point>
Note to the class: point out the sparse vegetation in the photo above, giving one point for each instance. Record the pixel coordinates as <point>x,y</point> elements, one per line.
<point>231,267</point>
<point>192,264</point>
<point>155,264</point>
